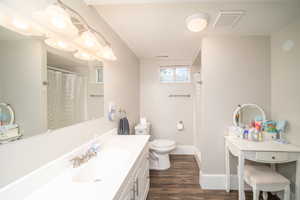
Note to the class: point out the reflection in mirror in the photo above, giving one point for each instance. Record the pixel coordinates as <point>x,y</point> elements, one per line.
<point>46,88</point>
<point>246,113</point>
<point>72,96</point>
<point>9,131</point>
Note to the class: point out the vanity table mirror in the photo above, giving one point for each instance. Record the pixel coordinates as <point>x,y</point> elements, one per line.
<point>7,116</point>
<point>246,113</point>
<point>46,88</point>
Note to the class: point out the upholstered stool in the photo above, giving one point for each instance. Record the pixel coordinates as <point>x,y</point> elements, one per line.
<point>263,178</point>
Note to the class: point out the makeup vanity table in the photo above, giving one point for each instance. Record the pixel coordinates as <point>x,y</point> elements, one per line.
<point>262,152</point>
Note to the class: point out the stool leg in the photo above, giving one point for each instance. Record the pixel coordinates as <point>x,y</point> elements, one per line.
<point>287,193</point>
<point>265,195</point>
<point>255,194</point>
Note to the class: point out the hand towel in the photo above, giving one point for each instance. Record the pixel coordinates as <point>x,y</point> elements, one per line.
<point>126,129</point>
<point>120,127</point>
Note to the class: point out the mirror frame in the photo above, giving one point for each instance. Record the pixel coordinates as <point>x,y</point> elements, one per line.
<point>12,113</point>
<point>240,107</point>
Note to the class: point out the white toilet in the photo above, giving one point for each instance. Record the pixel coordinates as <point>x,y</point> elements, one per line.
<point>159,148</point>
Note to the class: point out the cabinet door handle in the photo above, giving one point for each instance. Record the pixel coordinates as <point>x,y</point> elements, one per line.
<point>133,193</point>
<point>137,187</point>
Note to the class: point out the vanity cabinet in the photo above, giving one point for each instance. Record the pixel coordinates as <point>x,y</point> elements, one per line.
<point>136,185</point>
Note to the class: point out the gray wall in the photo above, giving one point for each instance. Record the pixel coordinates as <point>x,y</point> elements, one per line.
<point>21,77</point>
<point>164,112</point>
<point>285,93</point>
<point>285,70</point>
<point>235,70</point>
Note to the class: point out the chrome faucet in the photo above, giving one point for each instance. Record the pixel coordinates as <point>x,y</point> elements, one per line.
<point>90,153</point>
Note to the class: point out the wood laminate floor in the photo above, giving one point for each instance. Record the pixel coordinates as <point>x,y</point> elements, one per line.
<point>181,182</point>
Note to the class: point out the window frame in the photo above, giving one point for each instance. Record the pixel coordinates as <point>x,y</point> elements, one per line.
<point>174,67</point>
<point>97,74</point>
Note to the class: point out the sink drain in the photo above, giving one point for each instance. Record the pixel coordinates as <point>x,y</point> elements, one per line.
<point>97,180</point>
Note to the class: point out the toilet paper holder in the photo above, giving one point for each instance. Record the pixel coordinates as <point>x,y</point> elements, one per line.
<point>180,126</point>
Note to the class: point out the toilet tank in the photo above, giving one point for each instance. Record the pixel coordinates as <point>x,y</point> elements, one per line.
<point>143,129</point>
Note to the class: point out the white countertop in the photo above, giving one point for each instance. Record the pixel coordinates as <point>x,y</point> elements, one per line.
<point>268,146</point>
<point>117,156</point>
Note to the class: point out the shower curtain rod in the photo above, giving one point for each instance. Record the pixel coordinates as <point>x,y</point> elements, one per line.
<point>62,70</point>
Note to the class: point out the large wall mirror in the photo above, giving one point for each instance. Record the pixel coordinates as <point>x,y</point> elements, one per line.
<point>46,89</point>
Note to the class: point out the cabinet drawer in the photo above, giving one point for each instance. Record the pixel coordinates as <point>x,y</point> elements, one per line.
<point>272,156</point>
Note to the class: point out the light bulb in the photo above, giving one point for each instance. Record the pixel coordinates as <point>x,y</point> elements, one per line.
<point>83,56</point>
<point>89,40</point>
<point>107,53</point>
<point>20,24</point>
<point>58,22</point>
<point>58,44</point>
<point>62,44</point>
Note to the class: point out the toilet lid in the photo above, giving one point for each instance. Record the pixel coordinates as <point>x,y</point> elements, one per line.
<point>162,143</point>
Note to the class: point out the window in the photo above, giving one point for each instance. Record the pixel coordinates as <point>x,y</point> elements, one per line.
<point>175,75</point>
<point>99,75</point>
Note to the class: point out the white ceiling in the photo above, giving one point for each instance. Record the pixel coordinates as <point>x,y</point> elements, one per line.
<point>156,29</point>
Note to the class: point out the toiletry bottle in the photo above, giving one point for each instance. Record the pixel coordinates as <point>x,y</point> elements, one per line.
<point>260,136</point>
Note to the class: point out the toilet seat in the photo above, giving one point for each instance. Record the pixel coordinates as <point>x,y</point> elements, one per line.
<point>162,144</point>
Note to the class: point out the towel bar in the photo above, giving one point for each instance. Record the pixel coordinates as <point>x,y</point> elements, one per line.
<point>180,95</point>
<point>96,95</point>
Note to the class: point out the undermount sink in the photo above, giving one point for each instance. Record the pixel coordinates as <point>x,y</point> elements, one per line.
<point>101,167</point>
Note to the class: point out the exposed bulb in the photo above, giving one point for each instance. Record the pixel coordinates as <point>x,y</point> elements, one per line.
<point>83,56</point>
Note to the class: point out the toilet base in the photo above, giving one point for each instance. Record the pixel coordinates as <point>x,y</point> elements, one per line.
<point>159,161</point>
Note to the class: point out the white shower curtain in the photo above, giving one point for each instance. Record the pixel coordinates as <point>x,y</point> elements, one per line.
<point>67,99</point>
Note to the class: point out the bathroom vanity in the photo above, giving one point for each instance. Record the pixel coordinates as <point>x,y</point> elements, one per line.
<point>120,171</point>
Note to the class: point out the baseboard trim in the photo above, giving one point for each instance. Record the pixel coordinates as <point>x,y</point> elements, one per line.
<point>217,182</point>
<point>185,150</point>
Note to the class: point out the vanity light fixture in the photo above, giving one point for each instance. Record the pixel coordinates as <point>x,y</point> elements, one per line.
<point>90,35</point>
<point>17,23</point>
<point>59,44</point>
<point>107,53</point>
<point>84,56</point>
<point>57,19</point>
<point>197,22</point>
<point>88,40</point>
<point>64,28</point>
<point>23,26</point>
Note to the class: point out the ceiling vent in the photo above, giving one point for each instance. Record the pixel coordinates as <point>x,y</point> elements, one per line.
<point>228,19</point>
